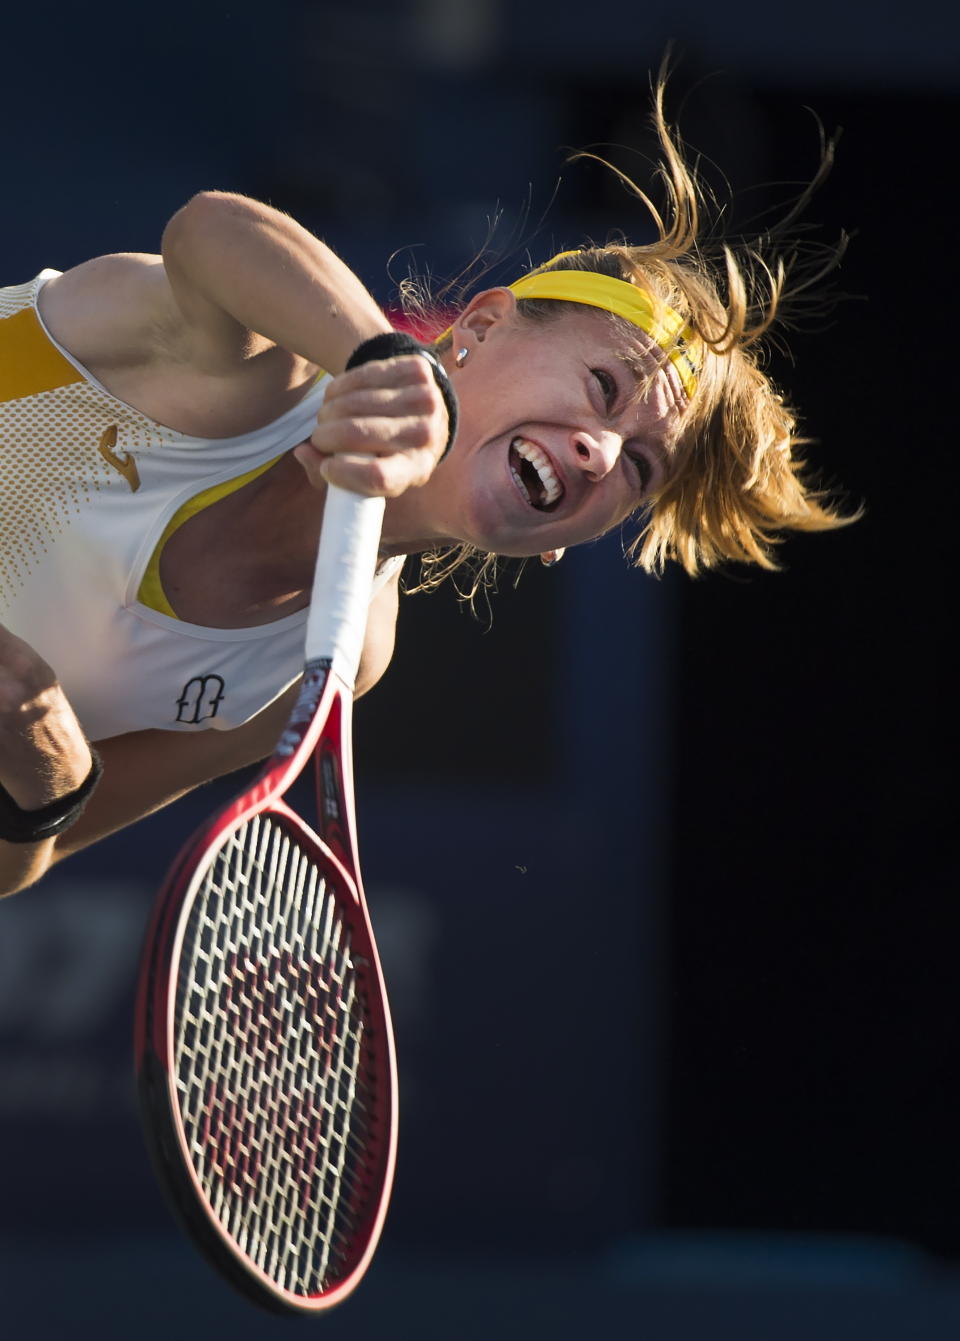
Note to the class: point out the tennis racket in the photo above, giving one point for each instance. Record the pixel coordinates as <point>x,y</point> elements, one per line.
<point>264,1050</point>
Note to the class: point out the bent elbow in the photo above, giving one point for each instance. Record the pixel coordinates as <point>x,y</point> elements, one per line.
<point>207,212</point>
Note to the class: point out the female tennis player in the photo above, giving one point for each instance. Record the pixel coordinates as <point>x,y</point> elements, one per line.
<point>168,426</point>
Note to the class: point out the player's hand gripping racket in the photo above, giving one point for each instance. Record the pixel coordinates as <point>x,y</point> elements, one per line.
<point>265,1056</point>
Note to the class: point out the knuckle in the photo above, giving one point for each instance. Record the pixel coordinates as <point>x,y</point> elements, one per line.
<point>416,434</point>
<point>380,474</point>
<point>376,373</point>
<point>428,436</point>
<point>424,372</point>
<point>419,466</point>
<point>417,371</point>
<point>426,398</point>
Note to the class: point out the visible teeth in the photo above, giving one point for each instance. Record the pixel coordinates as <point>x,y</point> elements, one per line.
<point>552,488</point>
<point>520,485</point>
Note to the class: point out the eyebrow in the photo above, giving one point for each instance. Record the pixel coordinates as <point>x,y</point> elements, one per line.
<point>644,373</point>
<point>645,368</point>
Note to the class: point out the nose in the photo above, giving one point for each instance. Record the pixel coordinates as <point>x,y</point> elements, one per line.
<point>597,453</point>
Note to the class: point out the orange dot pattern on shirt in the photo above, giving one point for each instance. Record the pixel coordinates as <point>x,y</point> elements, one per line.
<point>16,298</point>
<point>51,467</point>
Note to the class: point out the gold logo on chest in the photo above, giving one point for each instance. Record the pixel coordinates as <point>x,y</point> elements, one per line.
<point>121,460</point>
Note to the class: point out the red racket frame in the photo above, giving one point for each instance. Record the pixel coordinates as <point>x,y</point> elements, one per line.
<point>319,726</point>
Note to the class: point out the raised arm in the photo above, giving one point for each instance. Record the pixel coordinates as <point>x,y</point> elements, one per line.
<point>227,329</point>
<point>229,325</point>
<point>235,266</point>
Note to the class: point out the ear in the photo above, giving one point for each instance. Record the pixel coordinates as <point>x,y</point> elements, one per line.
<point>483,312</point>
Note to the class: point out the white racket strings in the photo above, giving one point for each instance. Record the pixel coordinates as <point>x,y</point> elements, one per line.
<point>270,1058</point>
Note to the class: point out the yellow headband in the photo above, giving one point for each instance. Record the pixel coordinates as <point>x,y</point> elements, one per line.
<point>664,326</point>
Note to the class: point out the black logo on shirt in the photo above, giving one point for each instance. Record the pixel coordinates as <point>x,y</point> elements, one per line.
<point>200,698</point>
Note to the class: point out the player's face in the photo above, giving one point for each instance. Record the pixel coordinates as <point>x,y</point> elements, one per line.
<point>555,444</point>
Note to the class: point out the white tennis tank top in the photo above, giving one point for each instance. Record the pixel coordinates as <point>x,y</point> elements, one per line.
<point>87,487</point>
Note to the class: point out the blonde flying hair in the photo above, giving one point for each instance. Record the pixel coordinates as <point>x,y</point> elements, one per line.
<point>737,481</point>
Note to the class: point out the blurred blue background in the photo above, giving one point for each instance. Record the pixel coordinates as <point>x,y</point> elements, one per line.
<point>669,864</point>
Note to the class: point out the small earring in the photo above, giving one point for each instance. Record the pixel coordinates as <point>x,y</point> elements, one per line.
<point>462,355</point>
<point>551,557</point>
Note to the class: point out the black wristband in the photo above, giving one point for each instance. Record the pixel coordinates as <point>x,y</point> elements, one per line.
<point>389,345</point>
<point>33,826</point>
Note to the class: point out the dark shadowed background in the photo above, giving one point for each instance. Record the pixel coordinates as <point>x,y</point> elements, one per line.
<point>668,865</point>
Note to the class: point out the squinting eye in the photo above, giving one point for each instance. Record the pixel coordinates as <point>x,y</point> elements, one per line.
<point>644,470</point>
<point>608,385</point>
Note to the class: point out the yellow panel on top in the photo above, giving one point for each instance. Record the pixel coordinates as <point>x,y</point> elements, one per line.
<point>28,361</point>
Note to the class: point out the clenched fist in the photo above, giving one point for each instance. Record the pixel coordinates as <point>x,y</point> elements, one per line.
<point>381,430</point>
<point>44,754</point>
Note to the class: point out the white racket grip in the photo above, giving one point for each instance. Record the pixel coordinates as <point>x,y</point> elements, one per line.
<point>342,580</point>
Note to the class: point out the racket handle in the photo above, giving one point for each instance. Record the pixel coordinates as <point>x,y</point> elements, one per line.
<point>346,561</point>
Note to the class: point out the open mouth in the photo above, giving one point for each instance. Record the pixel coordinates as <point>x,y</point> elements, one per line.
<point>534,475</point>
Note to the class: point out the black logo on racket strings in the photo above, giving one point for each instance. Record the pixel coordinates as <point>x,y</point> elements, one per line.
<point>200,698</point>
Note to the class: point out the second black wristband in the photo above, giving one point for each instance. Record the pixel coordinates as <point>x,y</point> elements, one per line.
<point>391,344</point>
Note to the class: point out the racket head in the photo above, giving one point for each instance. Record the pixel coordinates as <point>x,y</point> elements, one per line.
<point>265,1057</point>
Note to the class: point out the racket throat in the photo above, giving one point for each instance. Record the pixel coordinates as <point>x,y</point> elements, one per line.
<point>333,763</point>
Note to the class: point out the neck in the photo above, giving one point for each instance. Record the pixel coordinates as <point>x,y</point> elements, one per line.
<point>408,526</point>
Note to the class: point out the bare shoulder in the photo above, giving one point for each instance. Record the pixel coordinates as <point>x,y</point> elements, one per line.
<point>127,324</point>
<point>111,312</point>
